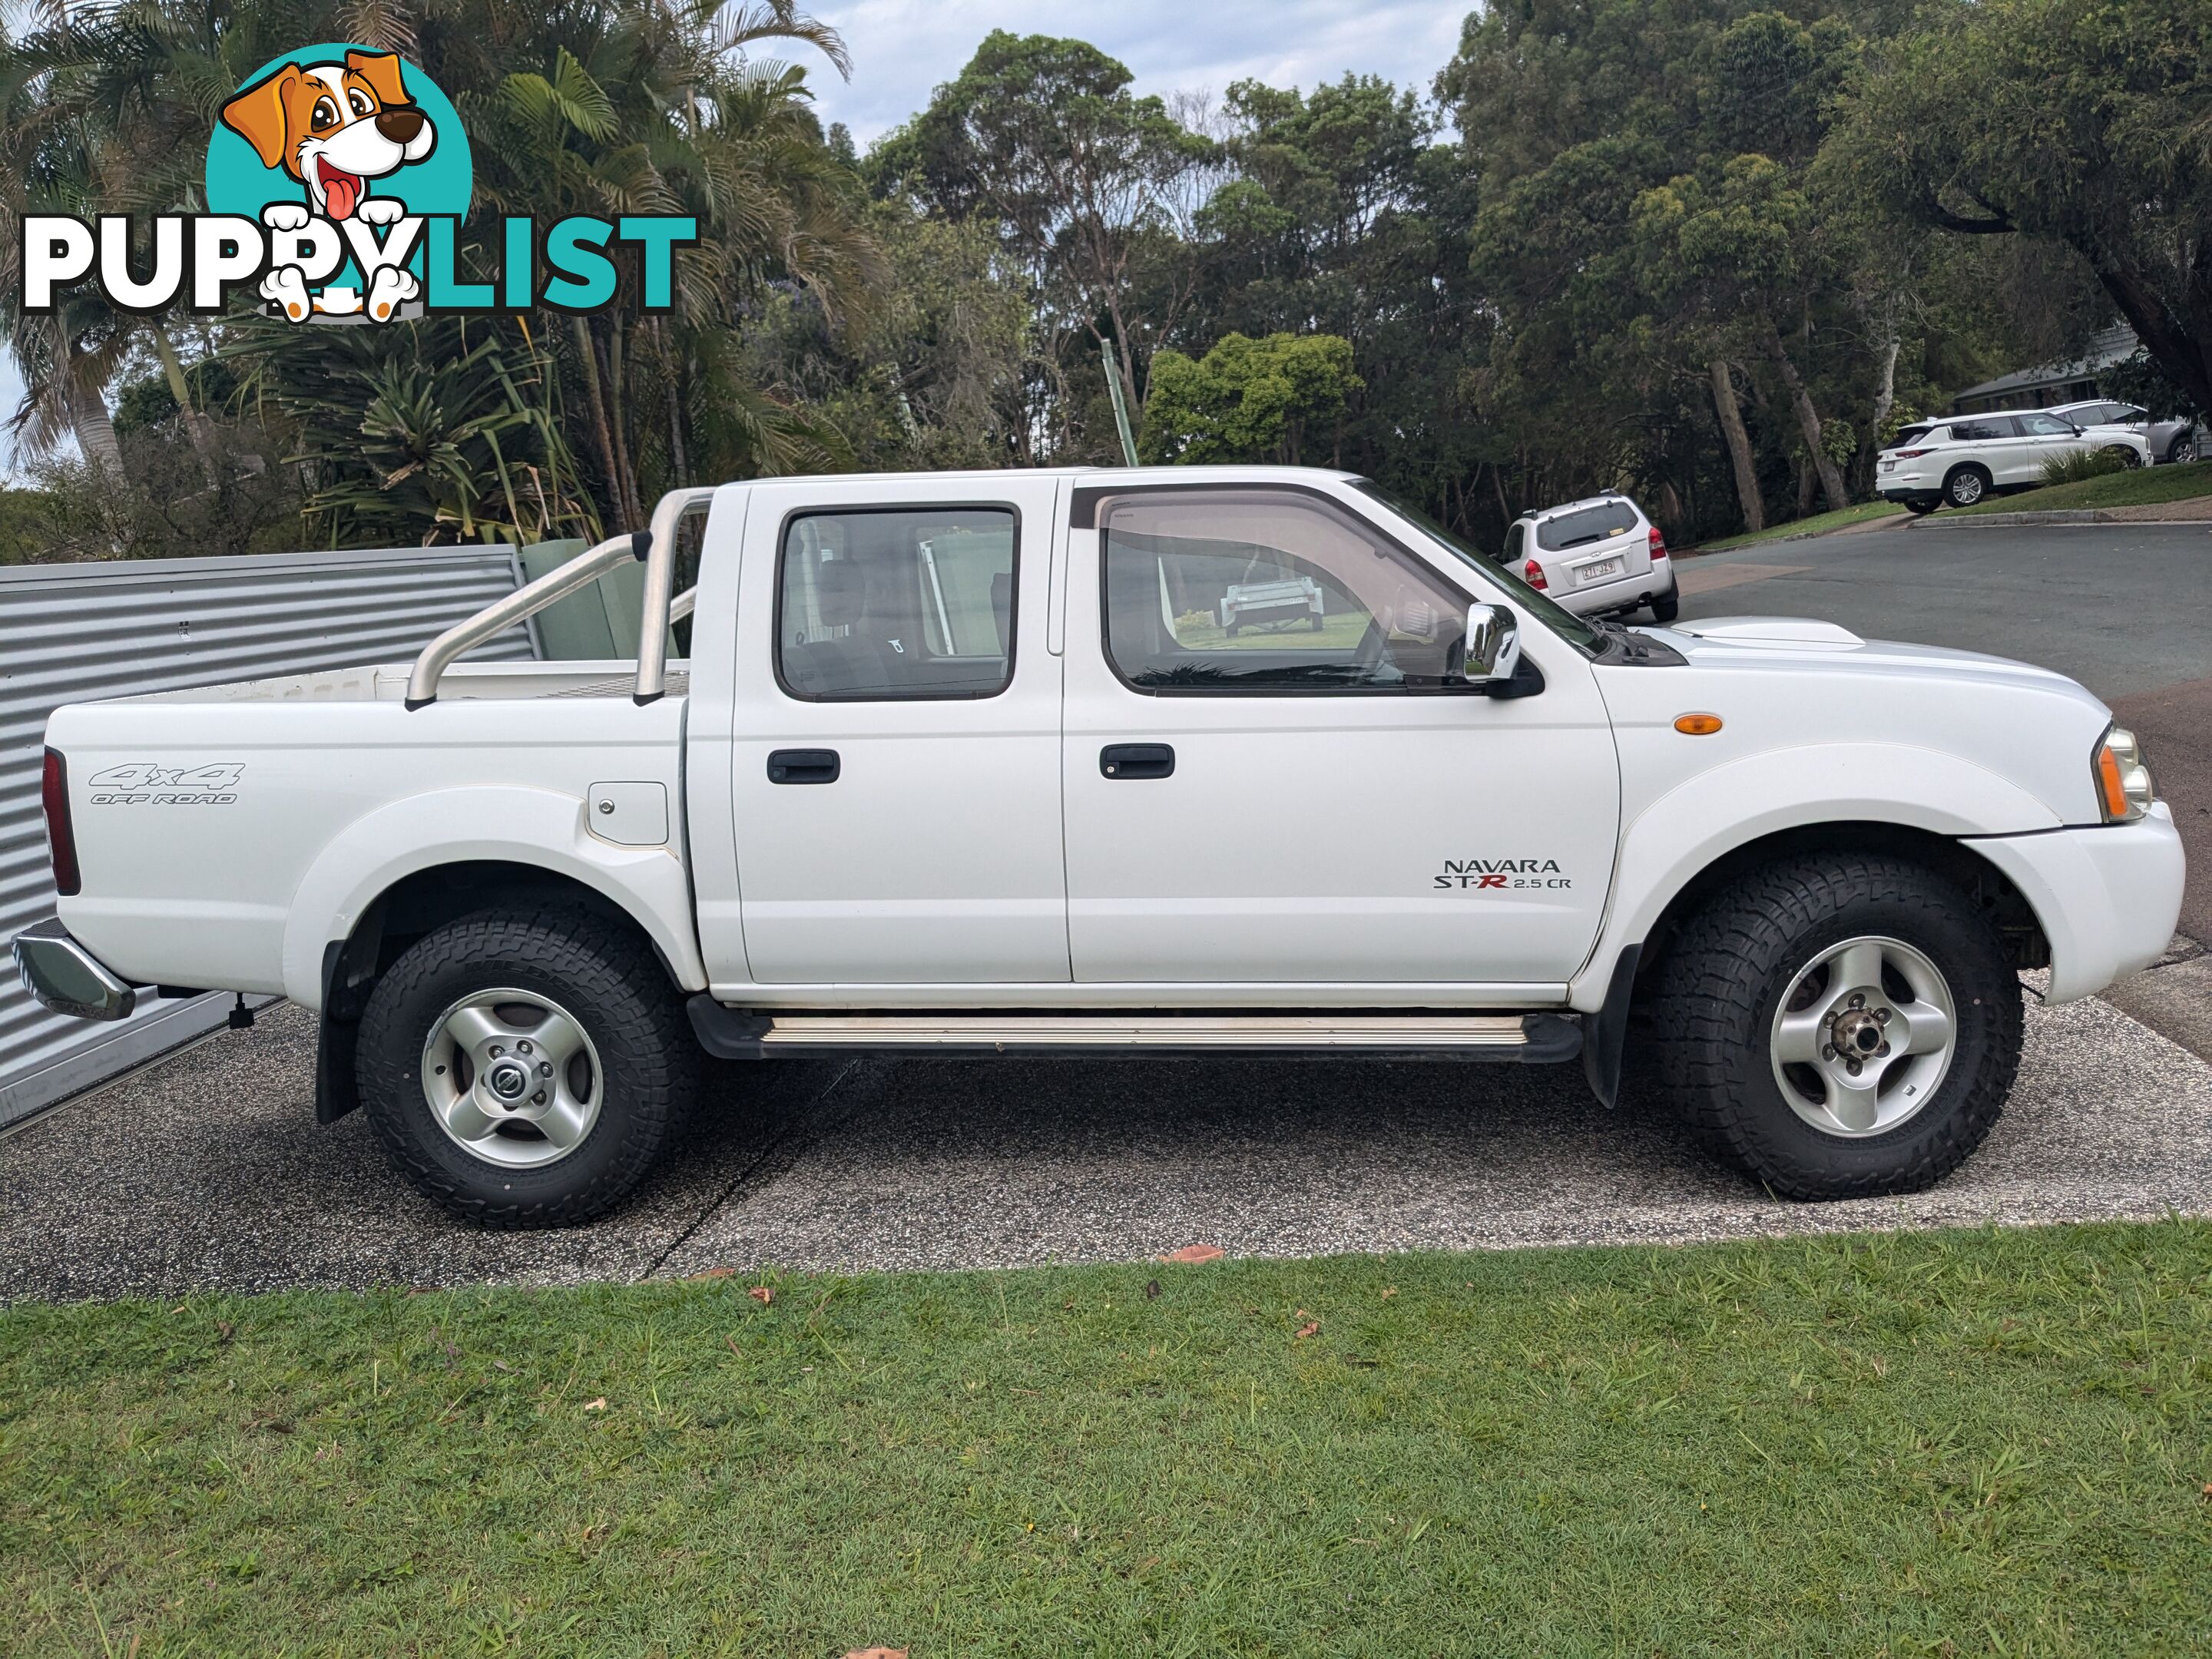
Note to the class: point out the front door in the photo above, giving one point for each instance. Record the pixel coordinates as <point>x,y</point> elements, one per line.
<point>1274,776</point>
<point>895,752</point>
<point>2045,437</point>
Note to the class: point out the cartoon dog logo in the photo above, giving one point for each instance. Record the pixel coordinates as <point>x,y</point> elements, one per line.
<point>335,128</point>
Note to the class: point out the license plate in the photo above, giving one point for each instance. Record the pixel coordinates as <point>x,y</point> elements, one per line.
<point>1598,571</point>
<point>1889,466</point>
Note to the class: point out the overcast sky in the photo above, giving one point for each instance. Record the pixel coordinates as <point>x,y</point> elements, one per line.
<point>902,49</point>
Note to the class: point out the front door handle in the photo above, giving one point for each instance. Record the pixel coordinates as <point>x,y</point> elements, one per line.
<point>802,766</point>
<point>1136,760</point>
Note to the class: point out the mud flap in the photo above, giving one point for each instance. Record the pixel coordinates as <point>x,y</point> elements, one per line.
<point>1605,1033</point>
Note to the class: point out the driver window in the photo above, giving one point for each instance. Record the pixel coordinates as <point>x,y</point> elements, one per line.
<point>1262,589</point>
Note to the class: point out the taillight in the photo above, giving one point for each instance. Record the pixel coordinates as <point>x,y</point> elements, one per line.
<point>1907,454</point>
<point>61,839</point>
<point>1533,573</point>
<point>1658,543</point>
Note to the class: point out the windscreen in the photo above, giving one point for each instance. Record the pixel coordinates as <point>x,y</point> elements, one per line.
<point>1554,614</point>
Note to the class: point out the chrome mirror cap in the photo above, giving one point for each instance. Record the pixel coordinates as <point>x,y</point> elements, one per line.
<point>1494,645</point>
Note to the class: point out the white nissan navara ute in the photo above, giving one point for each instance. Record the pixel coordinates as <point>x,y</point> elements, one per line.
<point>995,763</point>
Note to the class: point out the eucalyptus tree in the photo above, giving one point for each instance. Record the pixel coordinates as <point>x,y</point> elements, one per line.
<point>2082,124</point>
<point>1090,187</point>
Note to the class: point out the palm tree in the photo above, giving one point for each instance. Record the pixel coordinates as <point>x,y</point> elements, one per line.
<point>601,106</point>
<point>657,108</point>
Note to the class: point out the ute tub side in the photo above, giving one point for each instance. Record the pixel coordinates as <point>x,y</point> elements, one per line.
<point>201,817</point>
<point>544,829</point>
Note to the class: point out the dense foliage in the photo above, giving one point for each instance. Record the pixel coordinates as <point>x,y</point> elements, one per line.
<point>1714,251</point>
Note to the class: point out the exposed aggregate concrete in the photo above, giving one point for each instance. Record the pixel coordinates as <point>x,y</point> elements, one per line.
<point>208,1172</point>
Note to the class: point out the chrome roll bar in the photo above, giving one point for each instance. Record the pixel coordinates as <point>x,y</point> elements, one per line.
<point>656,546</point>
<point>658,610</point>
<point>497,617</point>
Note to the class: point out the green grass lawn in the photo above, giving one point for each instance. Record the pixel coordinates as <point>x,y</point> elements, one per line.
<point>1947,1443</point>
<point>2143,486</point>
<point>1818,524</point>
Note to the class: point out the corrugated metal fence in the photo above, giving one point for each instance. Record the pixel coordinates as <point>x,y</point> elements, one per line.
<point>76,633</point>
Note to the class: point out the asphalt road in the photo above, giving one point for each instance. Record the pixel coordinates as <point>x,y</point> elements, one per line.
<point>2122,608</point>
<point>208,1171</point>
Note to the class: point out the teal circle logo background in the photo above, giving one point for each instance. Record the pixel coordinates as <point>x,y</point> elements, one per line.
<point>443,182</point>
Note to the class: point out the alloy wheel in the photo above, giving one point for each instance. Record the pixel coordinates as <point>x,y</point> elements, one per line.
<point>1863,1036</point>
<point>512,1078</point>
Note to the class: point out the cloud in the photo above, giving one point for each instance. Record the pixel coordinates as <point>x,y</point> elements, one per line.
<point>902,49</point>
<point>11,398</point>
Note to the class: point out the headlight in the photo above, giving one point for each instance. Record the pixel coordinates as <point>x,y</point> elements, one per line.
<point>2123,785</point>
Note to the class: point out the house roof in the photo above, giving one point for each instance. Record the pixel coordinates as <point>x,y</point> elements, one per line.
<point>2107,346</point>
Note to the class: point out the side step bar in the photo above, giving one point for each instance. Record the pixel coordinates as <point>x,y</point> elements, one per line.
<point>738,1034</point>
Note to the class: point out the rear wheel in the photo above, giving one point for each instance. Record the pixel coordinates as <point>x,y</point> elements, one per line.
<point>525,1070</point>
<point>1923,504</point>
<point>2183,448</point>
<point>1965,486</point>
<point>1839,1027</point>
<point>1667,607</point>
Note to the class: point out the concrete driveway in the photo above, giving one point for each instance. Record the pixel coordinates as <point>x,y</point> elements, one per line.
<point>208,1171</point>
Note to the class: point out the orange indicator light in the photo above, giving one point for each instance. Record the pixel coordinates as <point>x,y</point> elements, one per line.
<point>1698,726</point>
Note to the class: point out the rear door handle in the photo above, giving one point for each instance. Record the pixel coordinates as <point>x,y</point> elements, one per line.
<point>1136,760</point>
<point>802,766</point>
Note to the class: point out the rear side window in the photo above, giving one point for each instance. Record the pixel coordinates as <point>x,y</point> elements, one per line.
<point>1585,525</point>
<point>897,605</point>
<point>1983,429</point>
<point>1911,434</point>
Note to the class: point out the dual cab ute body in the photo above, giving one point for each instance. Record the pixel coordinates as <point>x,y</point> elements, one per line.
<point>979,762</point>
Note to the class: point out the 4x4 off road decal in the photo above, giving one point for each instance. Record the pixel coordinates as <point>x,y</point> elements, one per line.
<point>1501,875</point>
<point>142,783</point>
<point>337,177</point>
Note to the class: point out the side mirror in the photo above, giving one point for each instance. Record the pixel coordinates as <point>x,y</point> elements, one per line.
<point>1493,645</point>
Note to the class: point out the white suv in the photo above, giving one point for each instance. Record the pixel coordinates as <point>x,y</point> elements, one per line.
<point>1962,458</point>
<point>2172,440</point>
<point>1596,557</point>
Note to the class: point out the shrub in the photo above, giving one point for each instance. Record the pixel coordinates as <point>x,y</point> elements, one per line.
<point>2082,465</point>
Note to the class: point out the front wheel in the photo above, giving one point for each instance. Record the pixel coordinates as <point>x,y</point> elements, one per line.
<point>526,1069</point>
<point>1839,1027</point>
<point>2124,454</point>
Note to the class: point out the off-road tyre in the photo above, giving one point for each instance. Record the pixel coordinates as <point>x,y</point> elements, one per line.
<point>1667,607</point>
<point>1717,990</point>
<point>1967,485</point>
<point>604,975</point>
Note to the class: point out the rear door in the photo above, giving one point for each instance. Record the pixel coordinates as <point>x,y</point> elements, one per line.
<point>896,753</point>
<point>1992,441</point>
